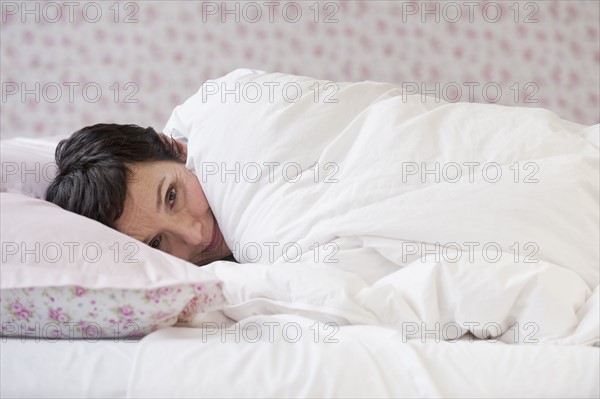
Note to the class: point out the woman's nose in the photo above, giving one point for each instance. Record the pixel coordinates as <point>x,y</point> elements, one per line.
<point>191,233</point>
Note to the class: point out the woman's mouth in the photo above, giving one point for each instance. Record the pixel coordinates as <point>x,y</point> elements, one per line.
<point>216,237</point>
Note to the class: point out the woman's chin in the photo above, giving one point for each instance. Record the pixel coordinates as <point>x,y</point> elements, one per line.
<point>208,256</point>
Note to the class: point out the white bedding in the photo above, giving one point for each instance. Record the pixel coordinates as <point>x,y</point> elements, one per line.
<point>544,219</point>
<point>362,361</point>
<point>65,369</point>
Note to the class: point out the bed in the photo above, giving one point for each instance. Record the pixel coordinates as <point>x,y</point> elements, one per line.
<point>389,245</point>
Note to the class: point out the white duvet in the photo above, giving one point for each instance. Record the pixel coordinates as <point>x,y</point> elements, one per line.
<point>356,204</point>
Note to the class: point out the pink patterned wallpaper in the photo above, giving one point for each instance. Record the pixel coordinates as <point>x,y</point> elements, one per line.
<point>65,64</point>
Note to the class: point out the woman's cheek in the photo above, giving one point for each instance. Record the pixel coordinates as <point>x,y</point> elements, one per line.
<point>195,193</point>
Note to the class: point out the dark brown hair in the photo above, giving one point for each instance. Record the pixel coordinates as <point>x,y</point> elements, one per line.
<point>94,166</point>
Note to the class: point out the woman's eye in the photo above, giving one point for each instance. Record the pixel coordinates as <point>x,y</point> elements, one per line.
<point>171,196</point>
<point>155,243</point>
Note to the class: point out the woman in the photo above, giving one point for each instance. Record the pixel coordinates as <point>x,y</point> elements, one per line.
<point>134,180</point>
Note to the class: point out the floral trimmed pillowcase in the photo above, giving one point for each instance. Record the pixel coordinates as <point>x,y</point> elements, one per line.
<point>73,312</point>
<point>67,276</point>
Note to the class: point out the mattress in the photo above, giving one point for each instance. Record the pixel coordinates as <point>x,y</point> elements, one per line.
<point>293,356</point>
<point>41,368</point>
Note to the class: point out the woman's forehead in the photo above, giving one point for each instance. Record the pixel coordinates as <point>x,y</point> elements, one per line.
<point>147,171</point>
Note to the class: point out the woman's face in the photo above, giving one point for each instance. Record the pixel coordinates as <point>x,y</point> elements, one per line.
<point>166,208</point>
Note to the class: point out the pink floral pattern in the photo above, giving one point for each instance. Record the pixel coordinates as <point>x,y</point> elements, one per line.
<point>141,59</point>
<point>76,312</point>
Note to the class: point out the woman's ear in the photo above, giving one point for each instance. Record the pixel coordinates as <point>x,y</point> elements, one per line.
<point>182,148</point>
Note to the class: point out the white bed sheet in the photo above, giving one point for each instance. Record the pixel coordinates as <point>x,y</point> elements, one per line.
<point>65,369</point>
<point>367,361</point>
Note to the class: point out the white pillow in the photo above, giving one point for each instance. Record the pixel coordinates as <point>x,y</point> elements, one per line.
<point>66,276</point>
<point>28,165</point>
